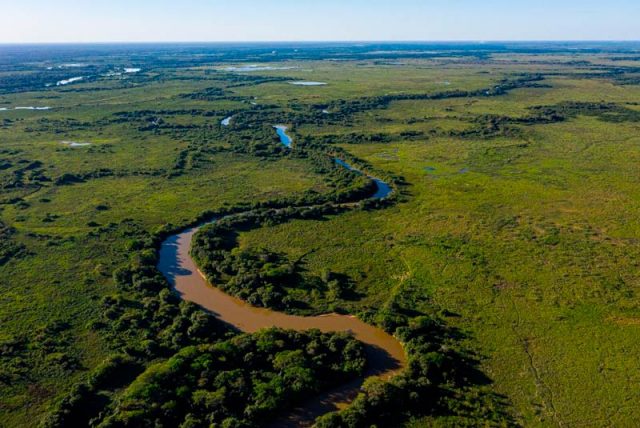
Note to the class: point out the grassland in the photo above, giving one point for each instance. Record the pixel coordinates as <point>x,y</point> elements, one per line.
<point>530,242</point>
<point>522,236</point>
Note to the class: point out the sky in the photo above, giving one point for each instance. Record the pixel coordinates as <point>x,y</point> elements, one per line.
<point>71,21</point>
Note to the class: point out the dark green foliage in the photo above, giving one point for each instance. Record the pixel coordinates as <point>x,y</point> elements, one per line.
<point>8,246</point>
<point>213,94</point>
<point>22,174</point>
<point>607,112</point>
<point>42,350</point>
<point>241,382</point>
<point>86,400</point>
<point>435,374</point>
<point>208,94</point>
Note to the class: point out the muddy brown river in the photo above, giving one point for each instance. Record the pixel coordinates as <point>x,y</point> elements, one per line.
<point>385,354</point>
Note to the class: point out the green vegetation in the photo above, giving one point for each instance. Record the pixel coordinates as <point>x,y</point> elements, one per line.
<point>241,382</point>
<point>506,260</point>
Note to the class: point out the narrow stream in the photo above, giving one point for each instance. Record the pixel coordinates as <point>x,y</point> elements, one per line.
<point>385,354</point>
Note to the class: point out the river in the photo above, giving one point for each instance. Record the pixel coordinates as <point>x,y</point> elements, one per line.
<point>385,354</point>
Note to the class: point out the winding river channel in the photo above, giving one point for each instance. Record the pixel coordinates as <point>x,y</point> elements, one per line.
<point>385,354</point>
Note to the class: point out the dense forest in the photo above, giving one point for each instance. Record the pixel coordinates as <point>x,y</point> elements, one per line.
<point>241,382</point>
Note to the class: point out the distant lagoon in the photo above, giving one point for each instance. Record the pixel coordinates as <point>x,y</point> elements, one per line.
<point>308,83</point>
<point>68,81</point>
<point>250,68</point>
<point>75,144</point>
<point>24,108</point>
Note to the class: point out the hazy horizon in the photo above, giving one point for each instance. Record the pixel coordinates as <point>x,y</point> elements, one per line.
<point>328,42</point>
<point>251,21</point>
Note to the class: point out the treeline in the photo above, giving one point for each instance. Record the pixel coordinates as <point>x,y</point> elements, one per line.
<point>271,115</point>
<point>74,178</point>
<point>356,138</point>
<point>159,120</point>
<point>607,112</point>
<point>238,80</point>
<point>32,79</point>
<point>350,107</point>
<point>260,140</point>
<point>213,94</point>
<point>61,126</point>
<point>242,382</point>
<point>328,153</point>
<point>497,125</point>
<point>124,116</point>
<point>617,75</point>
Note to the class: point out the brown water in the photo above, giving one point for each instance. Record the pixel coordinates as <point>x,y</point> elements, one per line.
<point>385,355</point>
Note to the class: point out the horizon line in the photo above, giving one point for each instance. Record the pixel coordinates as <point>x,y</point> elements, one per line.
<point>476,41</point>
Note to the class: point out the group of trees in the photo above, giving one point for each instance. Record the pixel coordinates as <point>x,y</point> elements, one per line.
<point>258,276</point>
<point>213,94</point>
<point>22,173</point>
<point>260,141</point>
<point>355,138</point>
<point>235,80</point>
<point>431,384</point>
<point>42,351</point>
<point>242,382</point>
<point>33,80</point>
<point>143,322</point>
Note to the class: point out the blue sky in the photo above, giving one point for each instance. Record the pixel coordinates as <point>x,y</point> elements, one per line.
<point>285,20</point>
